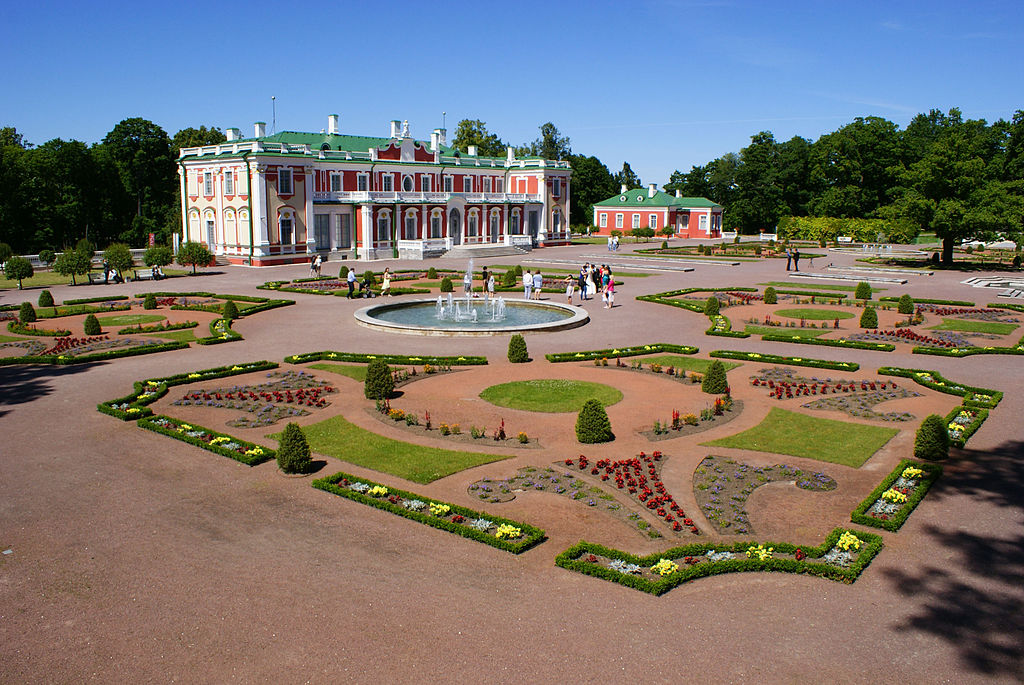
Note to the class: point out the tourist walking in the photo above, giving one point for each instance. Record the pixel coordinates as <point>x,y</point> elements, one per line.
<point>527,284</point>
<point>610,290</point>
<point>611,243</point>
<point>615,243</point>
<point>351,280</point>
<point>385,288</point>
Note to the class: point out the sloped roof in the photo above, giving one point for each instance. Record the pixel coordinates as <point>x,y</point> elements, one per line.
<point>343,143</point>
<point>638,197</point>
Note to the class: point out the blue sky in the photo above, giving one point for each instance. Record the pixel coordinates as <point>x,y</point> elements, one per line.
<point>663,84</point>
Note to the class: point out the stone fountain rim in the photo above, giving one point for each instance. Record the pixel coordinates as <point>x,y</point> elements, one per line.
<point>578,317</point>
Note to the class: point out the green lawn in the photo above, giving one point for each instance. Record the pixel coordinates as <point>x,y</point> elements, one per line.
<point>129,319</point>
<point>183,335</point>
<point>800,435</point>
<point>11,338</point>
<point>790,285</point>
<point>814,314</point>
<point>40,279</point>
<point>969,326</point>
<point>781,330</point>
<point>686,363</point>
<point>342,440</point>
<point>356,372</point>
<point>549,395</point>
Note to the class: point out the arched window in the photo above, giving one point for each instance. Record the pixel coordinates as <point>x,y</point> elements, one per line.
<point>516,227</point>
<point>556,221</point>
<point>495,225</point>
<point>230,228</point>
<point>473,222</point>
<point>209,235</point>
<point>436,217</point>
<point>383,233</point>
<point>454,223</point>
<point>407,184</point>
<point>409,229</point>
<point>286,226</point>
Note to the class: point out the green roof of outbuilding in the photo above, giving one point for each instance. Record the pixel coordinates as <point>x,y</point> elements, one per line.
<point>638,197</point>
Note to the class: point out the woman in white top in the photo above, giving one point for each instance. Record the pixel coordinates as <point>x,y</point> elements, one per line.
<point>591,288</point>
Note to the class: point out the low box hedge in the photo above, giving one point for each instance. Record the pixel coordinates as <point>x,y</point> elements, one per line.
<point>634,351</point>
<point>21,329</point>
<point>78,309</point>
<point>931,474</point>
<point>261,454</point>
<point>572,559</point>
<point>968,351</point>
<point>970,429</point>
<point>220,332</point>
<point>531,535</point>
<point>362,358</point>
<point>928,300</point>
<point>778,359</point>
<point>822,294</point>
<point>974,397</point>
<point>158,328</point>
<point>66,360</point>
<point>850,344</point>
<point>89,300</point>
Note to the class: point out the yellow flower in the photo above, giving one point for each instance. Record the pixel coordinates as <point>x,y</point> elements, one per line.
<point>848,540</point>
<point>507,531</point>
<point>377,491</point>
<point>665,567</point>
<point>438,509</point>
<point>194,375</point>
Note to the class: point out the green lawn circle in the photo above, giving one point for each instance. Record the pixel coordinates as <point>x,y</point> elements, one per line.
<point>814,314</point>
<point>553,395</point>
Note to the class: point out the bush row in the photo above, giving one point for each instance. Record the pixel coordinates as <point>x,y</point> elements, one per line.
<point>927,300</point>
<point>77,309</point>
<point>265,453</point>
<point>21,329</point>
<point>669,297</point>
<point>361,358</point>
<point>813,293</point>
<point>532,535</point>
<point>935,381</point>
<point>892,524</point>
<point>634,351</point>
<point>65,360</point>
<point>88,300</point>
<point>851,344</point>
<point>220,332</point>
<point>158,328</point>
<point>778,359</point>
<point>968,351</point>
<point>572,559</point>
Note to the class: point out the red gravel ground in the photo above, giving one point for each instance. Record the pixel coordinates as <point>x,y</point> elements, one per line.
<point>134,558</point>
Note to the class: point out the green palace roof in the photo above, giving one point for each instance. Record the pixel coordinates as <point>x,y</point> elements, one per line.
<point>638,197</point>
<point>346,143</point>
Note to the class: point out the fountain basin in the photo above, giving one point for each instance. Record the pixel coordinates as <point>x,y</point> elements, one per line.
<point>418,317</point>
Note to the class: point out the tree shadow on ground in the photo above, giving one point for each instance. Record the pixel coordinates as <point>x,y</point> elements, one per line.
<point>21,384</point>
<point>974,602</point>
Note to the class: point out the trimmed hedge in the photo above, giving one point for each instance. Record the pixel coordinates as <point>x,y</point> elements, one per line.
<point>158,328</point>
<point>971,428</point>
<point>76,309</point>
<point>778,359</point>
<point>722,327</point>
<point>823,294</point>
<point>265,453</point>
<point>64,360</point>
<point>974,397</point>
<point>532,535</point>
<point>668,296</point>
<point>89,300</point>
<point>571,559</point>
<point>21,329</point>
<point>220,332</point>
<point>928,300</point>
<point>634,351</point>
<point>362,358</point>
<point>931,474</point>
<point>968,351</point>
<point>851,344</point>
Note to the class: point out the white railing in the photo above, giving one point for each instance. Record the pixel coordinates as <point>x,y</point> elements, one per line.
<point>392,197</point>
<point>767,237</point>
<point>518,240</point>
<point>729,235</point>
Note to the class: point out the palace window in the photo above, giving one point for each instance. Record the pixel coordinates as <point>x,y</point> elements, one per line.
<point>284,182</point>
<point>487,184</point>
<point>229,182</point>
<point>447,184</point>
<point>387,183</point>
<point>652,220</point>
<point>618,220</point>
<point>208,184</point>
<point>335,183</point>
<point>636,221</point>
<point>604,219</point>
<point>556,187</point>
<point>362,182</point>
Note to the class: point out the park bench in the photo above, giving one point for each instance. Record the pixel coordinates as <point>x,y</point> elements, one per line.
<point>143,273</point>
<point>845,239</point>
<point>95,277</point>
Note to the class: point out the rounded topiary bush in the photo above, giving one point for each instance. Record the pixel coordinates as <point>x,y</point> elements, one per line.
<point>935,259</point>
<point>379,384</point>
<point>715,381</point>
<point>27,313</point>
<point>343,272</point>
<point>369,277</point>
<point>592,424</point>
<point>517,353</point>
<point>45,299</point>
<point>664,244</point>
<point>869,319</point>
<point>149,302</point>
<point>905,305</point>
<point>92,325</point>
<point>229,311</point>
<point>293,453</point>
<point>712,306</point>
<point>518,270</point>
<point>932,441</point>
<point>770,296</point>
<point>431,273</point>
<point>508,279</point>
<point>446,285</point>
<point>863,291</point>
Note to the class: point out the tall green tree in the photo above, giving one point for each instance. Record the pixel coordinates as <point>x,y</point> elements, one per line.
<point>12,209</point>
<point>196,137</point>
<point>550,145</point>
<point>141,152</point>
<point>627,177</point>
<point>855,168</point>
<point>474,132</point>
<point>758,202</point>
<point>64,192</point>
<point>591,182</point>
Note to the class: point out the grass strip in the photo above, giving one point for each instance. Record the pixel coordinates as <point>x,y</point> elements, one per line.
<point>551,395</point>
<point>634,351</point>
<point>971,326</point>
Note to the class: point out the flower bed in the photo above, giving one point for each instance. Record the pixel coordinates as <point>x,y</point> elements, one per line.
<point>91,300</point>
<point>158,328</point>
<point>220,332</point>
<point>926,300</point>
<point>841,342</point>
<point>962,422</point>
<point>126,348</point>
<point>855,398</point>
<point>673,298</point>
<point>362,358</point>
<point>778,359</point>
<point>219,443</point>
<point>973,397</point>
<point>948,339</point>
<point>511,536</point>
<point>842,556</point>
<point>722,327</point>
<point>284,395</point>
<point>21,329</point>
<point>620,352</point>
<point>889,505</point>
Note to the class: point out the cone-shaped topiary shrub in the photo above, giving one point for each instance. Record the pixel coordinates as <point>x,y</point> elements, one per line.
<point>517,353</point>
<point>343,272</point>
<point>45,299</point>
<point>369,277</point>
<point>431,273</point>
<point>518,270</point>
<point>712,306</point>
<point>905,305</point>
<point>770,296</point>
<point>293,453</point>
<point>592,424</point>
<point>508,279</point>
<point>229,311</point>
<point>715,381</point>
<point>27,313</point>
<point>446,285</point>
<point>863,291</point>
<point>92,325</point>
<point>379,384</point>
<point>869,319</point>
<point>149,302</point>
<point>932,441</point>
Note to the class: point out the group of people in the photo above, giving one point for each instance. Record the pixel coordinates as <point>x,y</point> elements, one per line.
<point>793,259</point>
<point>532,284</point>
<point>613,243</point>
<point>593,280</point>
<point>315,265</point>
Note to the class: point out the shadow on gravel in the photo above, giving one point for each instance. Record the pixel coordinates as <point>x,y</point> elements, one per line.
<point>977,608</point>
<point>20,384</point>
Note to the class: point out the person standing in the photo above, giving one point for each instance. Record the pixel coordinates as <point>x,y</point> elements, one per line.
<point>611,243</point>
<point>527,284</point>
<point>583,283</point>
<point>570,286</point>
<point>490,287</point>
<point>615,244</point>
<point>385,288</point>
<point>610,290</point>
<point>796,259</point>
<point>351,280</point>
<point>789,259</point>
<point>538,285</point>
<point>591,286</point>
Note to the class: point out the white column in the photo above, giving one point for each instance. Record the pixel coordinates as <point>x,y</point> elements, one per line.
<point>261,230</point>
<point>310,236</point>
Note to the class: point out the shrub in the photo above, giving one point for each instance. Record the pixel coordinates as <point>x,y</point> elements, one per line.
<point>518,270</point>
<point>72,263</point>
<point>517,353</point>
<point>92,325</point>
<point>229,311</point>
<point>86,247</point>
<point>158,255</point>
<point>932,440</point>
<point>446,285</point>
<point>47,257</point>
<point>18,268</point>
<point>664,244</point>
<point>715,381</point>
<point>293,453</point>
<point>592,424</point>
<point>45,299</point>
<point>369,277</point>
<point>343,272</point>
<point>5,252</point>
<point>194,254</point>
<point>508,279</point>
<point>379,384</point>
<point>863,291</point>
<point>149,302</point>
<point>770,296</point>
<point>27,313</point>
<point>757,250</point>
<point>431,273</point>
<point>736,239</point>
<point>1016,261</point>
<point>905,304</point>
<point>712,306</point>
<point>869,319</point>
<point>119,257</point>
<point>935,259</point>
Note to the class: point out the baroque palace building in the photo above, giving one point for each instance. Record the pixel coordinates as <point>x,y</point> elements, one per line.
<point>280,198</point>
